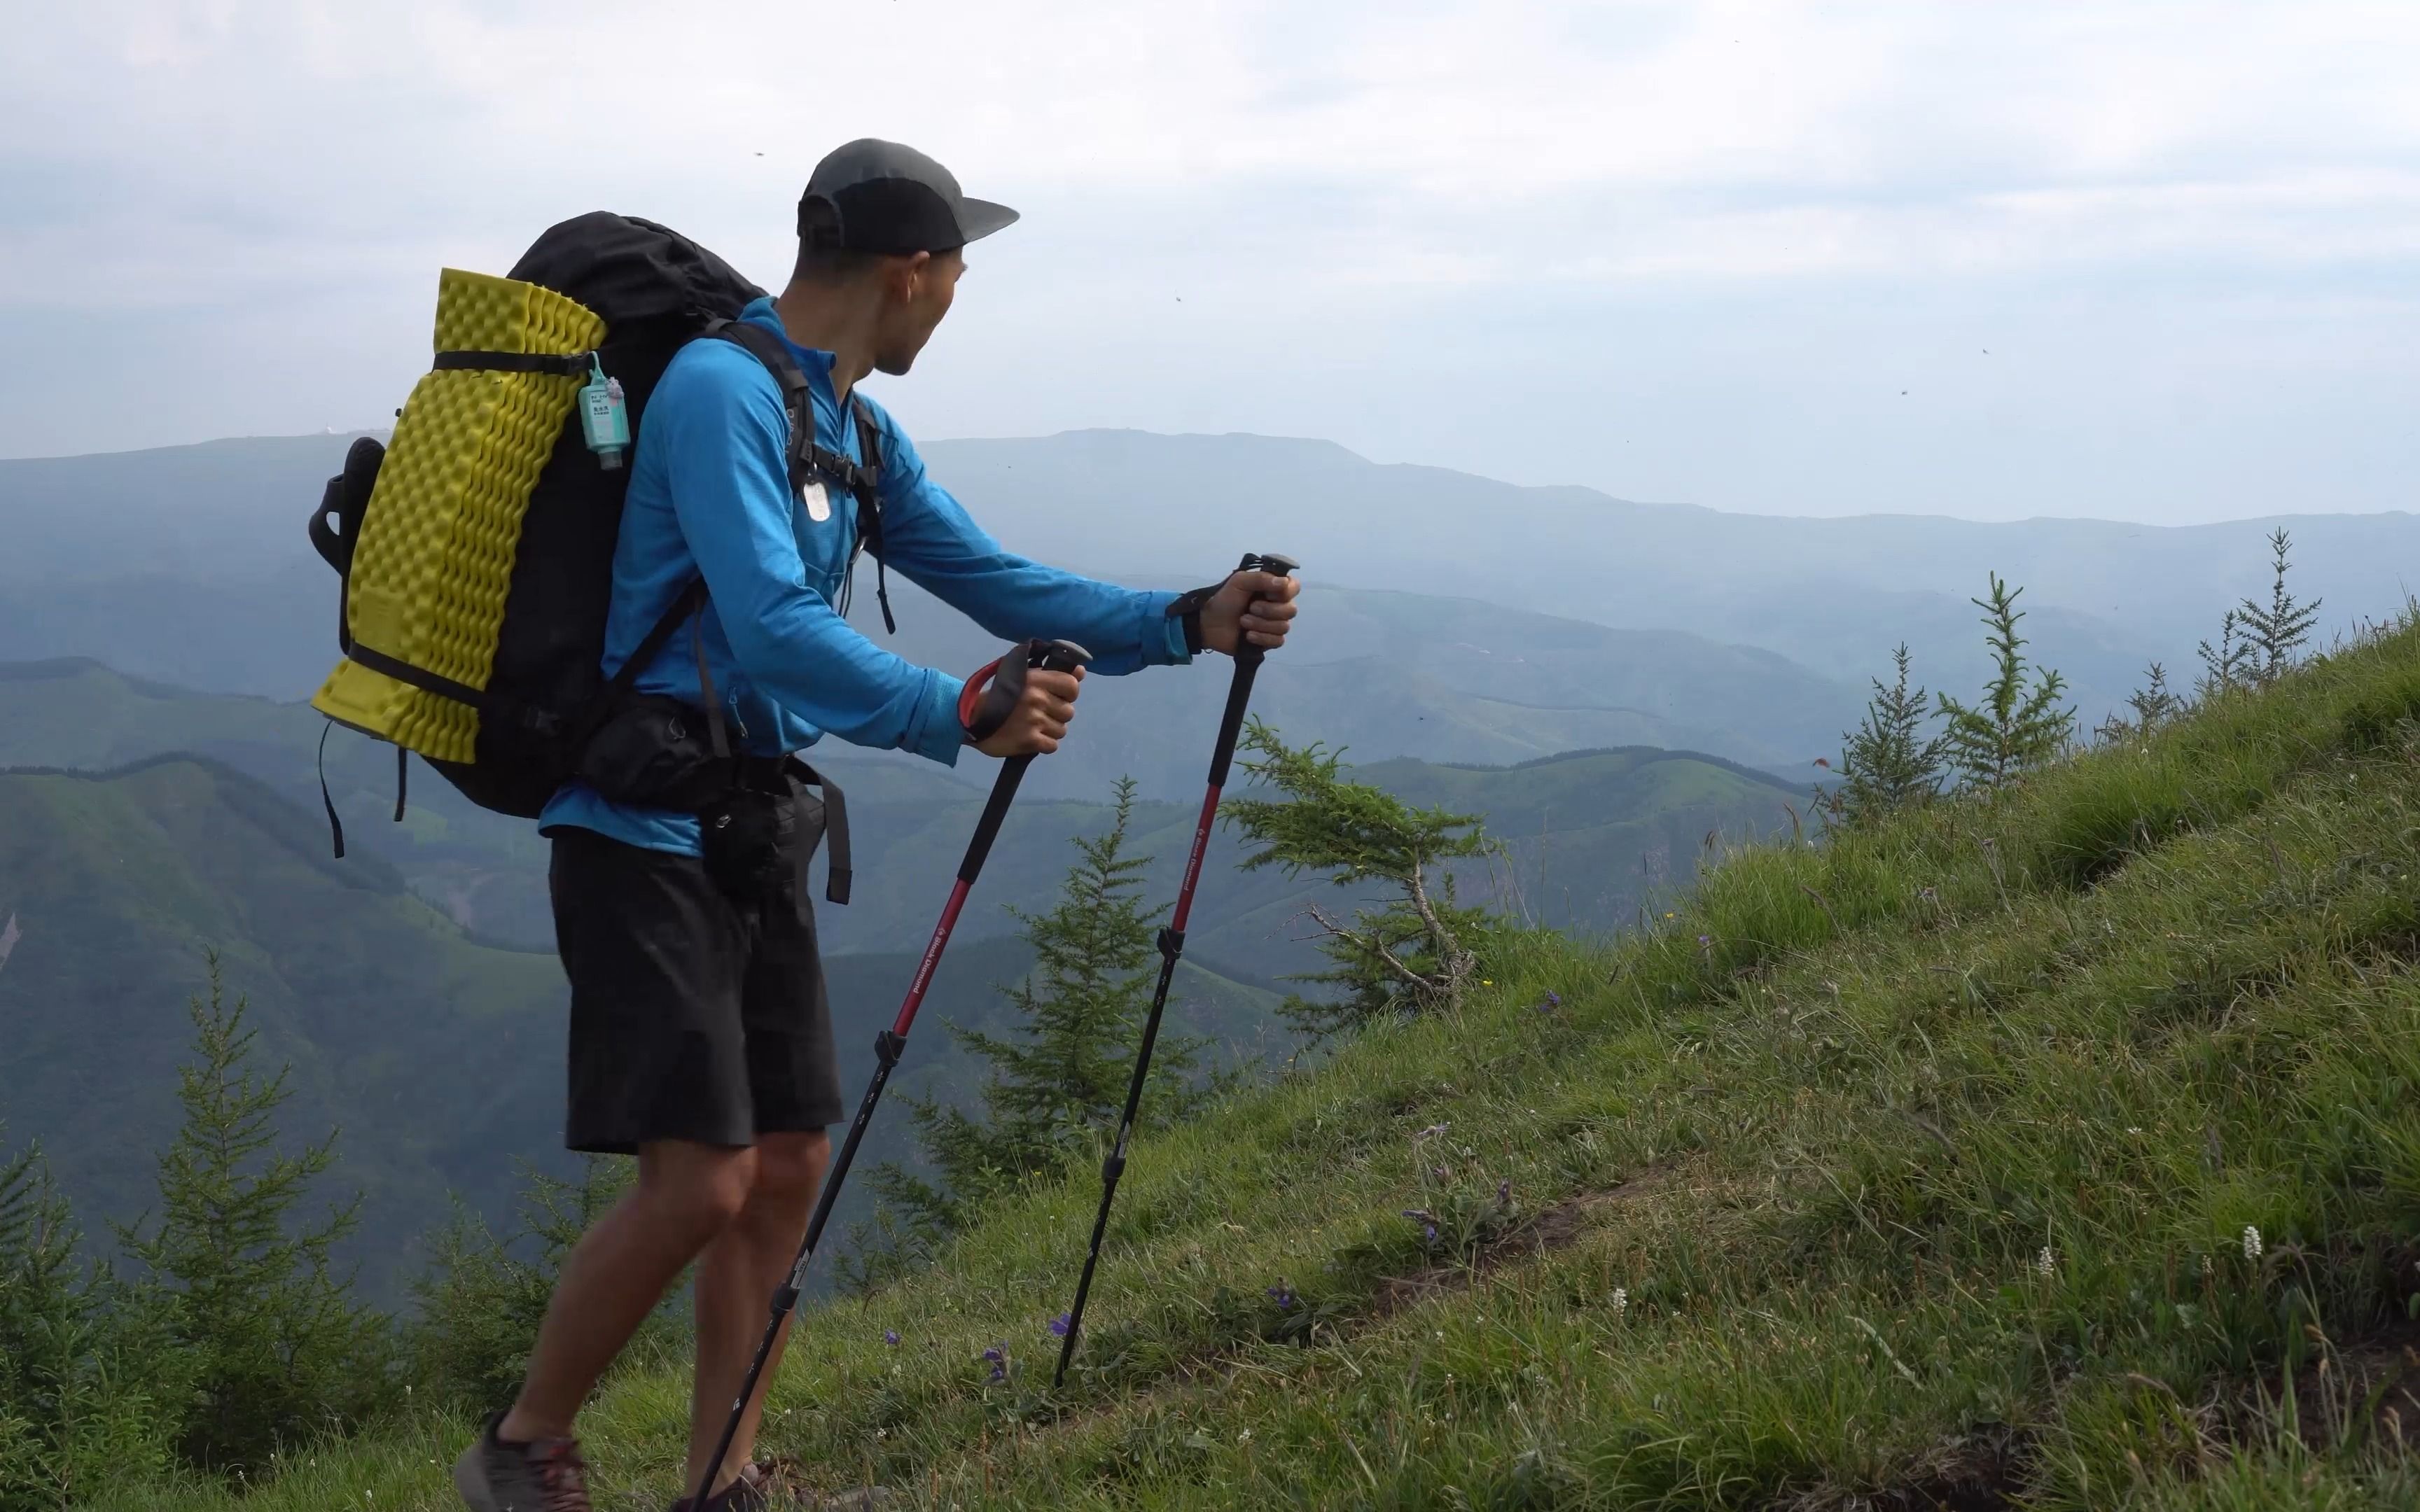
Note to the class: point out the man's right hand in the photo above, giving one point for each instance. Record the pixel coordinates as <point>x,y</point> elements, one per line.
<point>1037,720</point>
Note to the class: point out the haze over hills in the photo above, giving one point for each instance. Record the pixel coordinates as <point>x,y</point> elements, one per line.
<point>190,564</point>
<point>1591,818</point>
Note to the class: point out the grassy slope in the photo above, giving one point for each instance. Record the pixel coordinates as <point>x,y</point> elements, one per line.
<point>1920,1162</point>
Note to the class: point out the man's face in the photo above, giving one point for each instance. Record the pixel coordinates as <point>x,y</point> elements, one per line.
<point>918,293</point>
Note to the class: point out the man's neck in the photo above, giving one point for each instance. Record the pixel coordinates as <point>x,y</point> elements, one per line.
<point>831,319</point>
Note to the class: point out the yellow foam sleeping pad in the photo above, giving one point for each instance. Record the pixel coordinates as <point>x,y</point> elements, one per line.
<point>434,559</point>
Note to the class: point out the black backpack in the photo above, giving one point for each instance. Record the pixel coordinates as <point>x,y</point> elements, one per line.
<point>655,290</point>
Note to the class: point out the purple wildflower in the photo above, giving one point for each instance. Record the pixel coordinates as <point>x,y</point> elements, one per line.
<point>1284,1296</point>
<point>997,1357</point>
<point>1058,1326</point>
<point>890,1337</point>
<point>1554,1001</point>
<point>1504,1193</point>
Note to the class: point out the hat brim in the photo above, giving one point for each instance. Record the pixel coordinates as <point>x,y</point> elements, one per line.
<point>979,218</point>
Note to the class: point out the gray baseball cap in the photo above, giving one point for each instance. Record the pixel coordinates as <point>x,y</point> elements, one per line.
<point>888,198</point>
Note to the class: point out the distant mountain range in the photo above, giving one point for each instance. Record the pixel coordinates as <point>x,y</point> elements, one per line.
<point>1490,623</point>
<point>1603,824</point>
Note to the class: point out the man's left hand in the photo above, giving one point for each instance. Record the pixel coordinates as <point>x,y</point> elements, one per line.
<point>1255,605</point>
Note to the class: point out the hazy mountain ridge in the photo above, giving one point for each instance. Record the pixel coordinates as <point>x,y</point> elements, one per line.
<point>190,564</point>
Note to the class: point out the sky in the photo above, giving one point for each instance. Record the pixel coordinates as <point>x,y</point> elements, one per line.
<point>2129,258</point>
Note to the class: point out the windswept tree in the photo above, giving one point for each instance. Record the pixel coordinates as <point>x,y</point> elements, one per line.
<point>1417,949</point>
<point>2020,723</point>
<point>1887,762</point>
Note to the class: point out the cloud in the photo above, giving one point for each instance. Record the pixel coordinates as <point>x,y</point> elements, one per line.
<point>1385,175</point>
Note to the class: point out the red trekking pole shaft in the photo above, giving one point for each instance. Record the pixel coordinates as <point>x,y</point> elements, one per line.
<point>1052,655</point>
<point>1172,945</point>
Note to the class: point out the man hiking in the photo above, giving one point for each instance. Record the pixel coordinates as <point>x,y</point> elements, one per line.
<point>699,1037</point>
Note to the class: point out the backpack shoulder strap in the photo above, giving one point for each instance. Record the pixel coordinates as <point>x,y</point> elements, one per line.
<point>862,478</point>
<point>869,503</point>
<point>805,457</point>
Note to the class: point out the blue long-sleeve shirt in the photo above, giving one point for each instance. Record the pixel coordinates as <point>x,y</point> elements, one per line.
<point>709,496</point>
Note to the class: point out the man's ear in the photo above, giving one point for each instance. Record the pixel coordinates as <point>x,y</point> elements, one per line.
<point>910,274</point>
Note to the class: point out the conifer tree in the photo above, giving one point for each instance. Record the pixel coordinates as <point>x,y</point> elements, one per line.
<point>2228,665</point>
<point>276,1348</point>
<point>2151,705</point>
<point>1060,1075</point>
<point>81,1403</point>
<point>2019,724</point>
<point>1887,762</point>
<point>1419,950</point>
<point>2275,632</point>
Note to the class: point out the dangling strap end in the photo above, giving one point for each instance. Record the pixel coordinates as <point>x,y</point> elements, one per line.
<point>336,825</point>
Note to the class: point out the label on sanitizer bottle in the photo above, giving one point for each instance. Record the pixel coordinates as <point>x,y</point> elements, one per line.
<point>604,418</point>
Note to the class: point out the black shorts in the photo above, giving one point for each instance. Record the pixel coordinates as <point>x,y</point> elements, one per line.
<point>693,1016</point>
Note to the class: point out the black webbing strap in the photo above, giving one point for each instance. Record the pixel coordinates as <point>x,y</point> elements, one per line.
<point>687,602</point>
<point>869,506</point>
<point>420,678</point>
<point>402,772</point>
<point>837,871</point>
<point>336,825</point>
<point>560,364</point>
<point>706,690</point>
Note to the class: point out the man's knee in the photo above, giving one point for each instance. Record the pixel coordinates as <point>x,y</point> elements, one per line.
<point>789,1167</point>
<point>702,1188</point>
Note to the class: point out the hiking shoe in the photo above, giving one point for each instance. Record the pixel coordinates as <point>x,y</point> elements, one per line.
<point>544,1475</point>
<point>746,1494</point>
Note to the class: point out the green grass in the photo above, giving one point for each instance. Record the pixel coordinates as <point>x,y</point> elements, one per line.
<point>1918,1161</point>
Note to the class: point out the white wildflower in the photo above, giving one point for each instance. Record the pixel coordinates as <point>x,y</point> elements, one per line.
<point>2251,1243</point>
<point>1620,1300</point>
<point>2045,1262</point>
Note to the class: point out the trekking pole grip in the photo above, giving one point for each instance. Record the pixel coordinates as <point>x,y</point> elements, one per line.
<point>1270,561</point>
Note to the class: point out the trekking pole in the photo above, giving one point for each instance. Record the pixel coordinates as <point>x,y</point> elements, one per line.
<point>1050,656</point>
<point>1172,945</point>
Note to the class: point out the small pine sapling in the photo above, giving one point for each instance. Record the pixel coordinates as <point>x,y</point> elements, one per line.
<point>2150,705</point>
<point>2275,632</point>
<point>2019,724</point>
<point>2227,666</point>
<point>1887,762</point>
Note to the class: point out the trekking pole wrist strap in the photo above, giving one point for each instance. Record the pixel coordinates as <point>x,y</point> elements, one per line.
<point>1187,610</point>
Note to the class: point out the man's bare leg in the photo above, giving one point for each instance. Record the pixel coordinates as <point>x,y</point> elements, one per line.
<point>620,1269</point>
<point>736,1280</point>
